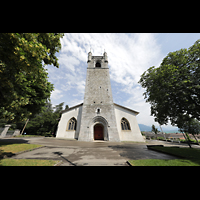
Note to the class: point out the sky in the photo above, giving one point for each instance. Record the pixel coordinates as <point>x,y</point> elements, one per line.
<point>129,55</point>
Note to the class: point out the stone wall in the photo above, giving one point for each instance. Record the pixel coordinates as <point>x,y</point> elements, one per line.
<point>128,135</point>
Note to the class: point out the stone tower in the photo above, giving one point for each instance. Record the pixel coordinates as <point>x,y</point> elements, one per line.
<point>98,119</point>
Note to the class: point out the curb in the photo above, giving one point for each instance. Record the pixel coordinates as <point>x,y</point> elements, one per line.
<point>59,163</point>
<point>129,164</point>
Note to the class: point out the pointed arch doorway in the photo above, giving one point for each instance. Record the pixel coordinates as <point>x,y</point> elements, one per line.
<point>98,132</point>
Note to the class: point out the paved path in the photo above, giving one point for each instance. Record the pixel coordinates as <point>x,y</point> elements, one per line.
<point>76,153</point>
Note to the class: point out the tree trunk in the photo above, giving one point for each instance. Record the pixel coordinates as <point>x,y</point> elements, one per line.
<point>24,126</point>
<point>163,133</point>
<point>196,139</point>
<point>187,140</point>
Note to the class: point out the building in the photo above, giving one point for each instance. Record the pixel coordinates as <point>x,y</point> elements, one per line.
<point>98,117</point>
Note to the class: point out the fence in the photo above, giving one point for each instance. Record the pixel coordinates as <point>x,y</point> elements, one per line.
<point>173,137</point>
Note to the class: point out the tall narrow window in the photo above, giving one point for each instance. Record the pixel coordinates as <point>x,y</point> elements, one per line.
<point>125,124</point>
<point>98,110</point>
<point>72,124</point>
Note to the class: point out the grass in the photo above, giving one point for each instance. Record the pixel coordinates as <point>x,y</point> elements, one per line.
<point>163,162</point>
<point>27,162</point>
<point>15,148</point>
<point>189,157</point>
<point>9,149</point>
<point>189,153</point>
<point>22,136</point>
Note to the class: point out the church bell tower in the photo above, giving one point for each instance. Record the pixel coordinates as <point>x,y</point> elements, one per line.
<point>98,121</point>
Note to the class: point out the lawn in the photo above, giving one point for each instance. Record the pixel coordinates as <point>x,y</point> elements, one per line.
<point>22,136</point>
<point>27,162</point>
<point>7,149</point>
<point>188,157</point>
<point>163,162</point>
<point>14,148</point>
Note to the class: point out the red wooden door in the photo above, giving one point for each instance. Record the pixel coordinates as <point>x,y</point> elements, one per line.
<point>98,132</point>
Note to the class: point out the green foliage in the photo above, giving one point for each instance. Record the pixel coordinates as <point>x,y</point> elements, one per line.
<point>24,87</point>
<point>3,122</point>
<point>160,138</point>
<point>154,129</point>
<point>191,126</point>
<point>44,123</point>
<point>173,89</point>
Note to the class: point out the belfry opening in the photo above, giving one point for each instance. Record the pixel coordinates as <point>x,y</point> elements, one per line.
<point>98,64</point>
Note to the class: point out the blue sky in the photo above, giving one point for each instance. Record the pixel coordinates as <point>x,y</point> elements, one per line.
<point>129,55</point>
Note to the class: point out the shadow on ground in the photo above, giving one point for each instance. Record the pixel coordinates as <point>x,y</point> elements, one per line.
<point>12,141</point>
<point>60,155</point>
<point>136,152</point>
<point>4,154</point>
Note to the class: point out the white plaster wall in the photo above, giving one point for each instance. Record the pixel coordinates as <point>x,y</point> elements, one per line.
<point>62,125</point>
<point>132,135</point>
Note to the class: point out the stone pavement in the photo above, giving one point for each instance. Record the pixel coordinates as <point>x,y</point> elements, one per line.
<point>76,153</point>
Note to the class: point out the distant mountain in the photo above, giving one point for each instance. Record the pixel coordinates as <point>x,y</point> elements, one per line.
<point>169,130</point>
<point>148,128</point>
<point>144,127</point>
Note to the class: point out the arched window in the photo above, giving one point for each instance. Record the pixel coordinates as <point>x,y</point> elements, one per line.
<point>98,64</point>
<point>125,124</point>
<point>71,124</point>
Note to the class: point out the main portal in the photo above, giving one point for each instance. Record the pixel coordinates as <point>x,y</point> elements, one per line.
<point>98,132</point>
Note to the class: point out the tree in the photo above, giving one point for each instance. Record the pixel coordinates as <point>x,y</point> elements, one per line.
<point>66,107</point>
<point>24,87</point>
<point>173,89</point>
<point>45,122</point>
<point>191,126</point>
<point>154,129</point>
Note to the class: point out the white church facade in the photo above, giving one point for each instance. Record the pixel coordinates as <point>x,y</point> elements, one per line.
<point>98,117</point>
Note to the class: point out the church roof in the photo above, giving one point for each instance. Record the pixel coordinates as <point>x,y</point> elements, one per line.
<point>114,104</point>
<point>127,108</point>
<point>71,108</point>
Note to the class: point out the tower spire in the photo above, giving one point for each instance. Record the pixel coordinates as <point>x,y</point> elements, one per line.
<point>89,56</point>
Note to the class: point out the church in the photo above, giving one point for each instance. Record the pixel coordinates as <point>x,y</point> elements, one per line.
<point>98,117</point>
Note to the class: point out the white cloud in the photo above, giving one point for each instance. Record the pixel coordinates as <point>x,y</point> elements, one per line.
<point>56,94</point>
<point>68,62</point>
<point>74,102</point>
<point>132,56</point>
<point>129,55</point>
